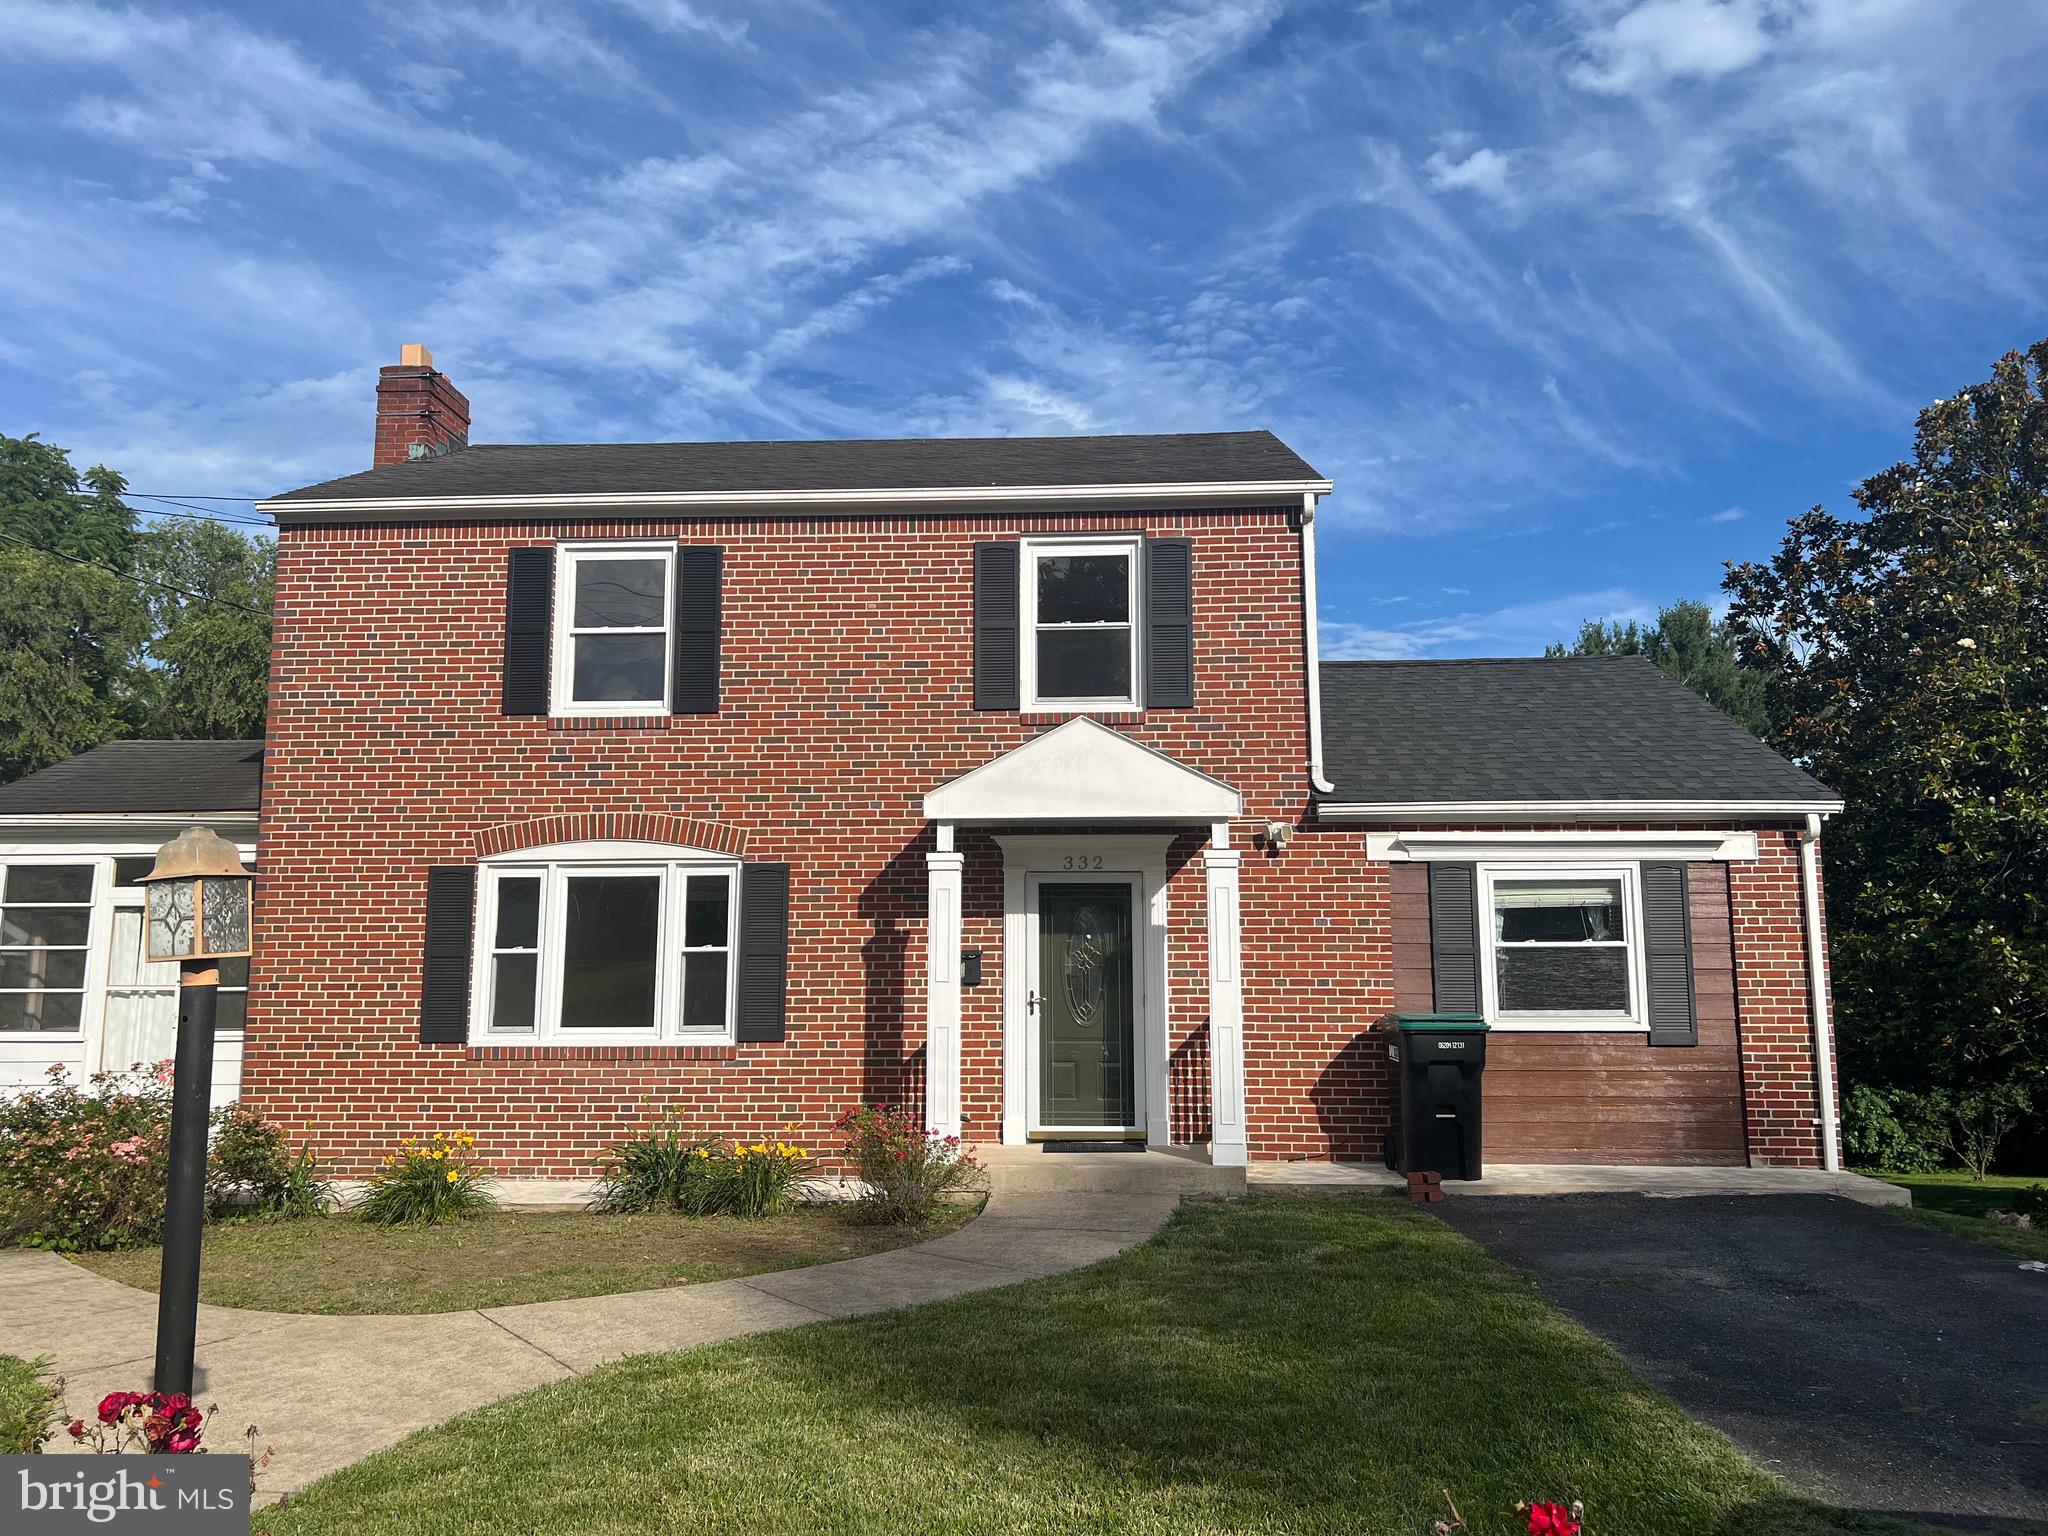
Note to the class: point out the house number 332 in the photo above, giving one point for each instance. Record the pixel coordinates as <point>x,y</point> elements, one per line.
<point>1082,861</point>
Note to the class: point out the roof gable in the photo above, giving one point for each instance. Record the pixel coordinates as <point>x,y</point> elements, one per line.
<point>1083,771</point>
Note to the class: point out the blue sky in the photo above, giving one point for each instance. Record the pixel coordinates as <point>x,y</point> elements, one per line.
<point>1574,300</point>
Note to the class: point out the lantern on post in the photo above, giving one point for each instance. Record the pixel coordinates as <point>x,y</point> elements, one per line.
<point>198,916</point>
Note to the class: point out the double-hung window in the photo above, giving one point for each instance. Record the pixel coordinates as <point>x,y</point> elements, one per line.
<point>45,929</point>
<point>605,950</point>
<point>614,607</point>
<point>1562,946</point>
<point>1082,617</point>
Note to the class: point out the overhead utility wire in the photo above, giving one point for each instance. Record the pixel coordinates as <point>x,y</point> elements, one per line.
<point>141,581</point>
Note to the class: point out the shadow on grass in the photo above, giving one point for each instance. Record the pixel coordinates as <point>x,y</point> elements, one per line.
<point>1297,1365</point>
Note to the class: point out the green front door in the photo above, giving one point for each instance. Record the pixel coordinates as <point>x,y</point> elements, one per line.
<point>1087,1071</point>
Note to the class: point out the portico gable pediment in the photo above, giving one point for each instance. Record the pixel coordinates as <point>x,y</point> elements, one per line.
<point>1083,771</point>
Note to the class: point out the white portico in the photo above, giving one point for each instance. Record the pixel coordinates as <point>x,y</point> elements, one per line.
<point>1085,1043</point>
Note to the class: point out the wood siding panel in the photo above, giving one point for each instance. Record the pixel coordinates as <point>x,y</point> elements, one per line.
<point>1599,1098</point>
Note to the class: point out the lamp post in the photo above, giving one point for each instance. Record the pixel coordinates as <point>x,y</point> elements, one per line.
<point>198,916</point>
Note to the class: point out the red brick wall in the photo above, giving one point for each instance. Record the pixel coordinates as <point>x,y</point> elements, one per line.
<point>846,697</point>
<point>1780,1086</point>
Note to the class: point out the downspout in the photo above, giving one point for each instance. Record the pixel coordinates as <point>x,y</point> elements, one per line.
<point>1313,640</point>
<point>1817,985</point>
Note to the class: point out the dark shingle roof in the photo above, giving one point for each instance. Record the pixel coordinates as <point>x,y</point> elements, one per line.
<point>170,778</point>
<point>862,464</point>
<point>1575,728</point>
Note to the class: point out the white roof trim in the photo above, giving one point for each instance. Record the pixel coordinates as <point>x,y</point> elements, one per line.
<point>881,503</point>
<point>1083,771</point>
<point>1411,812</point>
<point>1546,845</point>
<point>129,819</point>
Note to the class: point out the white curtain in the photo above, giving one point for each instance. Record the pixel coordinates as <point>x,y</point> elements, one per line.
<point>1521,895</point>
<point>142,999</point>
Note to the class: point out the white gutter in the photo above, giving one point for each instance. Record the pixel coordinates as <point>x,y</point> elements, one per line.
<point>1817,985</point>
<point>1425,812</point>
<point>796,503</point>
<point>1314,641</point>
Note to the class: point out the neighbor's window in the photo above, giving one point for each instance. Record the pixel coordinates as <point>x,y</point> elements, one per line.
<point>1562,945</point>
<point>607,951</point>
<point>45,925</point>
<point>1081,623</point>
<point>613,607</point>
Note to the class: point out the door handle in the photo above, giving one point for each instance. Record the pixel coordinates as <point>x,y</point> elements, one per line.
<point>1031,1002</point>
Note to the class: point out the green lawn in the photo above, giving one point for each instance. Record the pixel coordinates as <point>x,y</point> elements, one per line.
<point>1319,1364</point>
<point>1951,1202</point>
<point>333,1264</point>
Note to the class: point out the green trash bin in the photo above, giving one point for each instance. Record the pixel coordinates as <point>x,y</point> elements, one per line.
<point>1439,1057</point>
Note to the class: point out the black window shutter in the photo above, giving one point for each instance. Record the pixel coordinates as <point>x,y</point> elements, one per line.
<point>1169,624</point>
<point>529,619</point>
<point>451,926</point>
<point>1454,936</point>
<point>1667,955</point>
<point>764,951</point>
<point>700,576</point>
<point>996,635</point>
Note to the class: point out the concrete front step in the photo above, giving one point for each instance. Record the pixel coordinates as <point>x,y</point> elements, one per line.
<point>1174,1171</point>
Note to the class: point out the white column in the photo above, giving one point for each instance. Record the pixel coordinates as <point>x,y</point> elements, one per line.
<point>1228,1146</point>
<point>942,990</point>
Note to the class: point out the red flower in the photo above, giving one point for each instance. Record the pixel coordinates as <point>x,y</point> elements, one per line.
<point>184,1444</point>
<point>114,1404</point>
<point>1551,1520</point>
<point>77,1428</point>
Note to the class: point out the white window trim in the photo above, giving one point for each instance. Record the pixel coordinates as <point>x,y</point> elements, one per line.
<point>1635,1020</point>
<point>98,927</point>
<point>556,865</point>
<point>1132,547</point>
<point>563,668</point>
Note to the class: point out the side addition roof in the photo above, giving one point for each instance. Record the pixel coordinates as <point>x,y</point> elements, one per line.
<point>1575,732</point>
<point>143,778</point>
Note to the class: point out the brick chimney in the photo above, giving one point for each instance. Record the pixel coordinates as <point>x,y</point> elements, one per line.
<point>420,415</point>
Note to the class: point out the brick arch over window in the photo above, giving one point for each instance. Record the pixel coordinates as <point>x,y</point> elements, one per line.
<point>611,827</point>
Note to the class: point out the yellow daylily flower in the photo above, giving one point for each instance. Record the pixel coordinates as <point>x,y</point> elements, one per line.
<point>451,1175</point>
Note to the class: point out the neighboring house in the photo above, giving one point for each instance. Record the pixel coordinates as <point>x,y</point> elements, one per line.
<point>75,990</point>
<point>757,780</point>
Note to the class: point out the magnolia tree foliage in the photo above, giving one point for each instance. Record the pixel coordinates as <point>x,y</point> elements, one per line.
<point>1905,655</point>
<point>109,628</point>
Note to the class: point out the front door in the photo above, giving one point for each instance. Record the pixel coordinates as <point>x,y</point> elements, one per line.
<point>1086,1002</point>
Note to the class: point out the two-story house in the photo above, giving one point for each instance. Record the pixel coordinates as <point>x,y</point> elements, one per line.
<point>997,776</point>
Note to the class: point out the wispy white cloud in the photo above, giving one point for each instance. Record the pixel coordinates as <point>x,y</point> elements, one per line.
<point>1519,629</point>
<point>1726,515</point>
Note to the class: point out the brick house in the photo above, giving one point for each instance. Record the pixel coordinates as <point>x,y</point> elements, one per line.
<point>996,776</point>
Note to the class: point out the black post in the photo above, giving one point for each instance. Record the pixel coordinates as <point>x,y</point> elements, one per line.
<point>177,1305</point>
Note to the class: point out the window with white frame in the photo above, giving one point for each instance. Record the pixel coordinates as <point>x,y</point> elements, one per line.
<point>599,949</point>
<point>45,929</point>
<point>1081,611</point>
<point>614,604</point>
<point>142,996</point>
<point>1562,946</point>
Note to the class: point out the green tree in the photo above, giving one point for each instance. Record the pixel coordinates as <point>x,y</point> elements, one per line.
<point>70,629</point>
<point>1689,643</point>
<point>207,589</point>
<point>1906,658</point>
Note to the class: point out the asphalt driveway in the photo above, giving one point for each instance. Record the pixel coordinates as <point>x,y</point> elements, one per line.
<point>1874,1363</point>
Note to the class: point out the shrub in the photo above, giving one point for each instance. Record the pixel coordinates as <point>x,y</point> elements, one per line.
<point>2033,1202</point>
<point>251,1170</point>
<point>1891,1130</point>
<point>907,1170</point>
<point>146,1424</point>
<point>84,1168</point>
<point>1979,1119</point>
<point>28,1405</point>
<point>667,1167</point>
<point>757,1180</point>
<point>427,1182</point>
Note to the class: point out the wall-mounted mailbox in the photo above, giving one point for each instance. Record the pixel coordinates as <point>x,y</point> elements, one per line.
<point>970,967</point>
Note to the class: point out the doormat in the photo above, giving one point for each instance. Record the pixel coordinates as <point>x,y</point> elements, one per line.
<point>1093,1146</point>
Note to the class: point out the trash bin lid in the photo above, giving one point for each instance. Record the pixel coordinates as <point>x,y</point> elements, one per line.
<point>1437,1023</point>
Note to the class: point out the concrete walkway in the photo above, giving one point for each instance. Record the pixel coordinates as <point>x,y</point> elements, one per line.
<point>1592,1179</point>
<point>327,1391</point>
